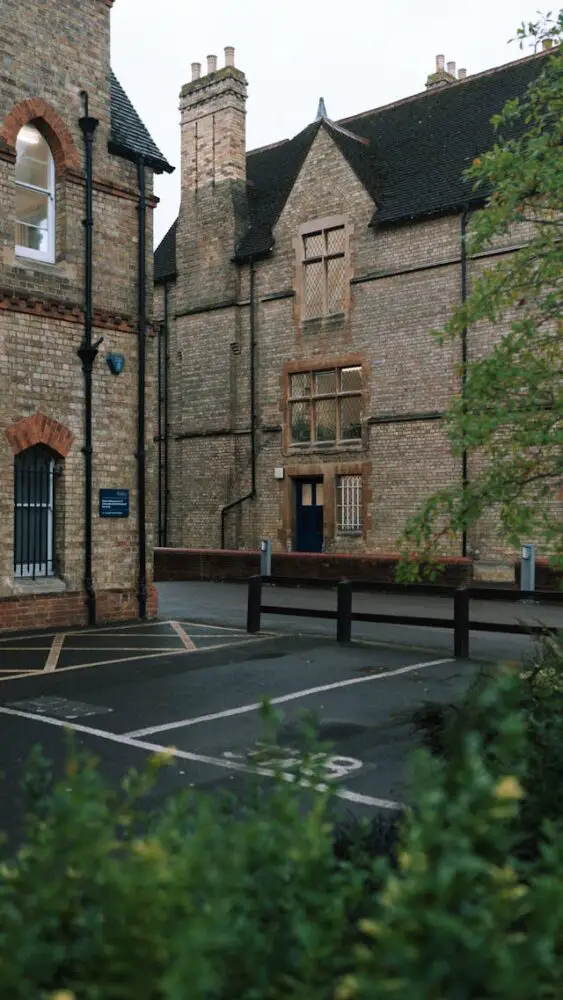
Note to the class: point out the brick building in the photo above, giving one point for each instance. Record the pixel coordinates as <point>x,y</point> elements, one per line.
<point>60,293</point>
<point>302,395</point>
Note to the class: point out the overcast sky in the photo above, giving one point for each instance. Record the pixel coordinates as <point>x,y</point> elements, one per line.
<point>357,54</point>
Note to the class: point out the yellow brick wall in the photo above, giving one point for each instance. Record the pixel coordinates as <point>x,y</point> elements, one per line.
<point>58,49</point>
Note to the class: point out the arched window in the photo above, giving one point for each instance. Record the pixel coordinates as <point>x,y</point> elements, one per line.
<point>35,196</point>
<point>34,504</point>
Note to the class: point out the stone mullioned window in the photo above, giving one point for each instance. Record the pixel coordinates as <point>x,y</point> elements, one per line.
<point>325,407</point>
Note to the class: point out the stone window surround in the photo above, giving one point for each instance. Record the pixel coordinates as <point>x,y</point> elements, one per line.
<point>322,363</point>
<point>306,229</point>
<point>313,399</point>
<point>329,473</point>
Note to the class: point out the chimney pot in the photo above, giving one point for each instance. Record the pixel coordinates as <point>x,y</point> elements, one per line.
<point>229,55</point>
<point>451,68</point>
<point>439,63</point>
<point>461,74</point>
<point>546,43</point>
<point>196,71</point>
<point>211,64</point>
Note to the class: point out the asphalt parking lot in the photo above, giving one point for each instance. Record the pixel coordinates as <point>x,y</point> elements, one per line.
<point>127,692</point>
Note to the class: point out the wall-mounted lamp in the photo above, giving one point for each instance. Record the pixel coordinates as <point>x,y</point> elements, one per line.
<point>116,363</point>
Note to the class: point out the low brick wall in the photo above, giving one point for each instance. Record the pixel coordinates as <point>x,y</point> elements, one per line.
<point>239,564</point>
<point>35,611</point>
<point>546,577</point>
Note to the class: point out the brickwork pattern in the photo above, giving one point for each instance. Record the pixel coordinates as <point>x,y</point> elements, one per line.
<point>59,610</point>
<point>404,282</point>
<point>239,565</point>
<point>39,429</point>
<point>59,49</point>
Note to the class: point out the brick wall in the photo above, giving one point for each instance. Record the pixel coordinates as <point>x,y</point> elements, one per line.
<point>52,51</point>
<point>31,611</point>
<point>238,565</point>
<point>405,280</point>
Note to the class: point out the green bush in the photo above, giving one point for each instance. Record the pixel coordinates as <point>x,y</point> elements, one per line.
<point>466,916</point>
<point>221,900</point>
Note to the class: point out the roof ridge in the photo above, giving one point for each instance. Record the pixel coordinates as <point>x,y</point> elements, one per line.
<point>269,145</point>
<point>346,132</point>
<point>454,83</point>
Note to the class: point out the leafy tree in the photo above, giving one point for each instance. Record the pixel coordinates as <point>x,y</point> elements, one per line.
<point>509,412</point>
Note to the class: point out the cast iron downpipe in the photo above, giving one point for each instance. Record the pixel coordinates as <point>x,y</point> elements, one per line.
<point>141,374</point>
<point>252,494</point>
<point>166,419</point>
<point>87,352</point>
<point>463,259</point>
<point>163,425</point>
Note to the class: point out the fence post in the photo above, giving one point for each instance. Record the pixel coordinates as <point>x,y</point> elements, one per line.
<point>254,604</point>
<point>461,623</point>
<point>344,611</point>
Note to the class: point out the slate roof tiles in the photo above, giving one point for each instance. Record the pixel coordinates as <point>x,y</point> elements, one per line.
<point>410,156</point>
<point>129,136</point>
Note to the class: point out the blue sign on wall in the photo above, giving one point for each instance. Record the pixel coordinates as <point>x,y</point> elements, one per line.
<point>114,503</point>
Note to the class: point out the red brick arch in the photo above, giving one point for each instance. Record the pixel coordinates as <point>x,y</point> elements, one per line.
<point>39,429</point>
<point>49,123</point>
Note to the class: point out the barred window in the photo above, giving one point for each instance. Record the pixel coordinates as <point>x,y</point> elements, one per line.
<point>34,523</point>
<point>326,406</point>
<point>324,272</point>
<point>349,504</point>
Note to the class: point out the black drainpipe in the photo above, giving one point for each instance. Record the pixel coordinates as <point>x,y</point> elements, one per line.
<point>141,372</point>
<point>166,427</point>
<point>163,424</point>
<point>463,258</point>
<point>252,494</point>
<point>159,428</point>
<point>87,352</point>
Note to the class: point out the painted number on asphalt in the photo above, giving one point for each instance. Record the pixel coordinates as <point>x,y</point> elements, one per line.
<point>334,765</point>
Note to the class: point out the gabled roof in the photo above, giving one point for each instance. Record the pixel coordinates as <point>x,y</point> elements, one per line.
<point>425,143</point>
<point>129,136</point>
<point>409,155</point>
<point>165,256</point>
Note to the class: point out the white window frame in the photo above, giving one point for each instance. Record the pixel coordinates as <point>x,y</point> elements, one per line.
<point>47,256</point>
<point>349,504</point>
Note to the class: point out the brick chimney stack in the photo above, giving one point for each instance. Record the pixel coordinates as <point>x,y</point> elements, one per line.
<point>213,125</point>
<point>442,76</point>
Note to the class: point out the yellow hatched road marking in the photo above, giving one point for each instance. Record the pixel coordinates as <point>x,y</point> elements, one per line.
<point>55,652</point>
<point>183,636</point>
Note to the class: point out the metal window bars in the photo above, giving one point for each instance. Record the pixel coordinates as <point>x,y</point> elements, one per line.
<point>34,513</point>
<point>350,503</point>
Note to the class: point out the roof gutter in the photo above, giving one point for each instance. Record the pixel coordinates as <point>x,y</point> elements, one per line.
<point>433,213</point>
<point>160,166</point>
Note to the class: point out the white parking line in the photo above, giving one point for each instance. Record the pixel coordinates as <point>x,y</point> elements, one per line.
<point>229,765</point>
<point>304,693</point>
<point>55,652</point>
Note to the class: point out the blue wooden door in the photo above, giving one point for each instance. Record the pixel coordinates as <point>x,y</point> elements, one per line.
<point>308,515</point>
